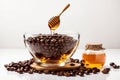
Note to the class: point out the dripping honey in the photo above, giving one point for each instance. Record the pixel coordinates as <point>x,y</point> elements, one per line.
<point>54,27</point>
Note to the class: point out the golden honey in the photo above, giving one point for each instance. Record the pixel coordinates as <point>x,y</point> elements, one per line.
<point>94,55</point>
<point>54,27</point>
<point>94,60</point>
<point>56,60</point>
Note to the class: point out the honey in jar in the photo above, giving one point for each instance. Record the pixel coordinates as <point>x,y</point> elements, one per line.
<point>94,55</point>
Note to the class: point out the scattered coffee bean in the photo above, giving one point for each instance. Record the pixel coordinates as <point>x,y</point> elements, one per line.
<point>72,74</point>
<point>81,74</point>
<point>46,71</point>
<point>116,66</point>
<point>87,72</point>
<point>89,69</point>
<point>61,73</point>
<point>67,74</point>
<point>76,60</point>
<point>112,63</point>
<point>95,70</point>
<point>53,72</point>
<point>82,64</point>
<point>105,70</point>
<point>30,71</point>
<point>40,71</point>
<point>82,61</point>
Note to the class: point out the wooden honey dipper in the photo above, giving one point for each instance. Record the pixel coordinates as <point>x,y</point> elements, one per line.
<point>54,22</point>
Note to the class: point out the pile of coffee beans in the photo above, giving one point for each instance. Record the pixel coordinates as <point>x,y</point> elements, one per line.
<point>51,45</point>
<point>24,67</point>
<point>20,67</point>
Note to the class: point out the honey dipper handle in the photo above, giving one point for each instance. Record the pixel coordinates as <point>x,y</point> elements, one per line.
<point>64,9</point>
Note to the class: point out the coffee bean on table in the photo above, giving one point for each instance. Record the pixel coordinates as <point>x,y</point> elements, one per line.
<point>76,60</point>
<point>30,71</point>
<point>116,66</point>
<point>53,72</point>
<point>112,63</point>
<point>81,74</point>
<point>60,73</point>
<point>67,74</point>
<point>72,74</point>
<point>46,71</point>
<point>105,70</point>
<point>87,72</point>
<point>40,71</point>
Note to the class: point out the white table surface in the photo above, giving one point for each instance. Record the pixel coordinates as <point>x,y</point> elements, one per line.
<point>9,55</point>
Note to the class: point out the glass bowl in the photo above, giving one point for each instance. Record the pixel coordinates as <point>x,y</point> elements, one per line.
<point>52,50</point>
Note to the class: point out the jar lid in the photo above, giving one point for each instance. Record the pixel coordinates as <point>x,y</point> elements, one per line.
<point>94,46</point>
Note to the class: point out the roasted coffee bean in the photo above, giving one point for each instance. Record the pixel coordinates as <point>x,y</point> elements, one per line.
<point>116,66</point>
<point>40,71</point>
<point>11,64</point>
<point>46,71</point>
<point>98,70</point>
<point>76,60</point>
<point>89,70</point>
<point>30,40</point>
<point>105,70</point>
<point>82,64</point>
<point>25,70</point>
<point>82,68</point>
<point>6,65</point>
<point>53,72</point>
<point>30,72</point>
<point>19,71</point>
<point>72,73</point>
<point>112,63</point>
<point>72,60</point>
<point>8,68</point>
<point>13,68</point>
<point>67,74</point>
<point>95,70</point>
<point>81,74</point>
<point>60,73</point>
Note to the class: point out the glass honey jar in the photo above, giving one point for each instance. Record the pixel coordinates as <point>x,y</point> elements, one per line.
<point>94,55</point>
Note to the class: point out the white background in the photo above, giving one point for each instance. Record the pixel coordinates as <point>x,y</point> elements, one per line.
<point>95,20</point>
